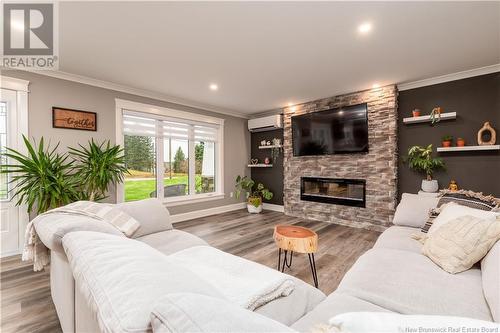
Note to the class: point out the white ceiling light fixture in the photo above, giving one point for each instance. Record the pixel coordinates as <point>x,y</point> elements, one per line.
<point>214,87</point>
<point>365,28</point>
<point>375,86</point>
<point>291,107</point>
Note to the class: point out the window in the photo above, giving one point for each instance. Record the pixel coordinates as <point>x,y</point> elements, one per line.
<point>170,154</point>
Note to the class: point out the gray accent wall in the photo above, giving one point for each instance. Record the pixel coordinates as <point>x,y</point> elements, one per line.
<point>476,100</point>
<point>46,92</point>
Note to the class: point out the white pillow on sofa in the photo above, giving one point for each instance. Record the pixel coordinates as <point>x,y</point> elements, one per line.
<point>413,210</point>
<point>452,211</point>
<point>188,312</point>
<point>371,322</point>
<point>150,213</point>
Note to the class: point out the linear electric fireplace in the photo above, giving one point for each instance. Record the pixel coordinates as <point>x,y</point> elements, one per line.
<point>349,192</point>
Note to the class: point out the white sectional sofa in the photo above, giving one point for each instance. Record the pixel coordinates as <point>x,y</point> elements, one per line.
<point>391,277</point>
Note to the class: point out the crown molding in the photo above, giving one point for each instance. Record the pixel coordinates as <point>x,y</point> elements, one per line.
<point>12,83</point>
<point>449,77</point>
<point>136,91</point>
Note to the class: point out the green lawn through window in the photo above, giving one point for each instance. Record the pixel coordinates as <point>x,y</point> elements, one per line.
<point>137,189</point>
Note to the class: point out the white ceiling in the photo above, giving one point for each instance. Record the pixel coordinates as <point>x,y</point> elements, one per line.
<point>263,55</point>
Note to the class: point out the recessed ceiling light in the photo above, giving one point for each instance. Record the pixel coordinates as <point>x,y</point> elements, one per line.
<point>375,86</point>
<point>214,87</point>
<point>365,28</point>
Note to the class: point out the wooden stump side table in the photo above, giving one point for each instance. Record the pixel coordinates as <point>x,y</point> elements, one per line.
<point>296,239</point>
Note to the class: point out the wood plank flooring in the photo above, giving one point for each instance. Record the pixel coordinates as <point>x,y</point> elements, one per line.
<point>26,305</point>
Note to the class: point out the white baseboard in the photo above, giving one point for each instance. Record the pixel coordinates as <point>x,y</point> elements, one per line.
<point>206,212</point>
<point>273,207</point>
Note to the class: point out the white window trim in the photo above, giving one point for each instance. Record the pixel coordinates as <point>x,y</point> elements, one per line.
<point>121,105</point>
<point>21,87</point>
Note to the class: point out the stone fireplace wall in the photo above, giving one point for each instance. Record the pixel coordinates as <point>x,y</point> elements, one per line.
<point>378,167</point>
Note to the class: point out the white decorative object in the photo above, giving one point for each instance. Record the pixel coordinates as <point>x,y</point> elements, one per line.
<point>263,143</point>
<point>254,210</point>
<point>430,185</point>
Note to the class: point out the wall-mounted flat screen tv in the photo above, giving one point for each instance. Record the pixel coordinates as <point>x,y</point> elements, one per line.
<point>334,131</point>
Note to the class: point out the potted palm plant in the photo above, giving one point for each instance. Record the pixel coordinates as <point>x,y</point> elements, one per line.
<point>420,159</point>
<point>44,178</point>
<point>254,193</point>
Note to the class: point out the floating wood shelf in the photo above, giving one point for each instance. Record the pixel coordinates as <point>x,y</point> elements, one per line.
<point>468,148</point>
<point>427,118</point>
<point>270,147</point>
<point>260,165</point>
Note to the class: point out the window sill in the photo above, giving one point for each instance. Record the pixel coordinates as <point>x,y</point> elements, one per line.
<point>192,199</point>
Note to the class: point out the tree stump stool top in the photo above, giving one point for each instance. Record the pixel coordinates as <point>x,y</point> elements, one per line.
<point>295,238</point>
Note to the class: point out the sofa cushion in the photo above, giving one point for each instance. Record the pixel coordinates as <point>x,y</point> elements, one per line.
<point>490,268</point>
<point>399,238</point>
<point>187,312</point>
<point>452,211</point>
<point>410,283</point>
<point>367,322</point>
<point>122,279</point>
<point>335,304</point>
<point>287,310</point>
<point>413,210</point>
<point>151,214</point>
<point>51,228</point>
<point>171,241</point>
<point>460,243</point>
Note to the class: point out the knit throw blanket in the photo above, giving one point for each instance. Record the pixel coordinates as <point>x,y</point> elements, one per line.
<point>34,250</point>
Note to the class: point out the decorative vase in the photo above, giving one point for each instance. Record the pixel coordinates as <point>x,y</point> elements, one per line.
<point>416,113</point>
<point>267,160</point>
<point>430,186</point>
<point>460,142</point>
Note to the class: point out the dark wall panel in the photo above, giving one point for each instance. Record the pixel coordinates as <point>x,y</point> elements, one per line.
<point>270,177</point>
<point>475,100</point>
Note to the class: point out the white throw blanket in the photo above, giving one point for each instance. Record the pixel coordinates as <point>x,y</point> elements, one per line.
<point>34,250</point>
<point>241,281</point>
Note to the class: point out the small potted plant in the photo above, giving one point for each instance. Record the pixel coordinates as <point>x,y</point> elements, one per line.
<point>254,193</point>
<point>460,142</point>
<point>446,141</point>
<point>416,113</point>
<point>420,159</point>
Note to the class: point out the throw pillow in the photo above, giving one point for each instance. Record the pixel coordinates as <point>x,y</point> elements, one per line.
<point>413,210</point>
<point>188,312</point>
<point>460,243</point>
<point>465,198</point>
<point>151,214</point>
<point>451,211</point>
<point>369,322</point>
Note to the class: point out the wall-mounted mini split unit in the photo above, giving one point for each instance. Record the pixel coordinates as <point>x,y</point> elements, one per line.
<point>265,123</point>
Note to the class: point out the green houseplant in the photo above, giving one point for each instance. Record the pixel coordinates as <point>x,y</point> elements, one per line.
<point>421,160</point>
<point>254,193</point>
<point>97,166</point>
<point>44,179</point>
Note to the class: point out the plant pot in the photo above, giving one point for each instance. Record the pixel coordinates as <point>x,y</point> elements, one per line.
<point>254,210</point>
<point>460,142</point>
<point>446,143</point>
<point>254,205</point>
<point>416,113</point>
<point>430,186</point>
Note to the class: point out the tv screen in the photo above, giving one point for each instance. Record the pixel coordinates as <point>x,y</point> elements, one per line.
<point>335,131</point>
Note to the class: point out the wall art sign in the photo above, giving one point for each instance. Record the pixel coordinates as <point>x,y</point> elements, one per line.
<point>74,119</point>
